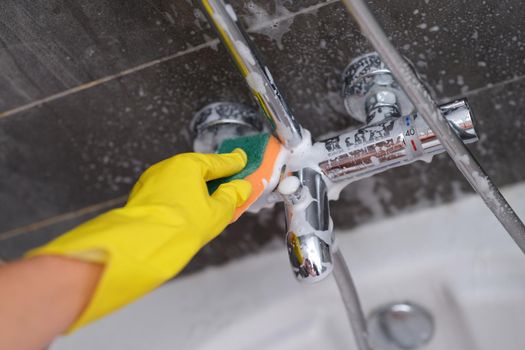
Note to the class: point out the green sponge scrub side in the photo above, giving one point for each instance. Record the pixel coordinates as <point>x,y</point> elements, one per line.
<point>254,146</point>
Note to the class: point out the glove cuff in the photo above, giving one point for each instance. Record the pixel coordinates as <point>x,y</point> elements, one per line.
<point>134,264</point>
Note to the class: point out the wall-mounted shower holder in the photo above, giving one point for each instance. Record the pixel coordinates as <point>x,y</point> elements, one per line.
<point>392,136</point>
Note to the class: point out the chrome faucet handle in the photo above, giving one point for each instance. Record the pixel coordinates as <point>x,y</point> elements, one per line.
<point>370,91</point>
<point>219,121</point>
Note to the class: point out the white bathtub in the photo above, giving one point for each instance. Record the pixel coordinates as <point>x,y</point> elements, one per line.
<point>454,260</point>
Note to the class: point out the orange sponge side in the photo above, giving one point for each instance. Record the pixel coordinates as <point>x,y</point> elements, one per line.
<point>262,176</point>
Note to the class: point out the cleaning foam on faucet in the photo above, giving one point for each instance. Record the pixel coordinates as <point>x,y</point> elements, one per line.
<point>264,155</point>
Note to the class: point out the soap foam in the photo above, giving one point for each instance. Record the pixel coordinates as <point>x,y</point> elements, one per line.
<point>231,12</point>
<point>256,82</point>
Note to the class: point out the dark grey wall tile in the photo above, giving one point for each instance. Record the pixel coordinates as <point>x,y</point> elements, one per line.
<point>90,147</point>
<point>457,47</point>
<point>308,66</point>
<point>49,46</point>
<point>500,126</point>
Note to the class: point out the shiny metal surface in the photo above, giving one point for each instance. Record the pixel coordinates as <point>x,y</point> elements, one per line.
<point>219,121</point>
<point>258,77</point>
<point>354,310</point>
<point>370,91</point>
<point>387,141</point>
<point>400,326</point>
<point>309,237</point>
<point>427,108</point>
<point>391,143</point>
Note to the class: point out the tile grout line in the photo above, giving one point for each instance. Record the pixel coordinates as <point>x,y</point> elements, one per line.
<point>482,89</point>
<point>106,79</point>
<point>149,64</point>
<point>61,217</point>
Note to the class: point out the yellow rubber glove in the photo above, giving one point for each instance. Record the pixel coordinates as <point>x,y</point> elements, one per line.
<point>169,216</point>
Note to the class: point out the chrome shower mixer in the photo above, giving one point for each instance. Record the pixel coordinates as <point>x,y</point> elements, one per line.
<point>392,135</point>
<point>380,91</point>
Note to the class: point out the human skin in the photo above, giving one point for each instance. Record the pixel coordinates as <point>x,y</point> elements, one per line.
<point>41,297</point>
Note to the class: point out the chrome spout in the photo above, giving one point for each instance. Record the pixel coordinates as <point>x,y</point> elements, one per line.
<point>310,238</point>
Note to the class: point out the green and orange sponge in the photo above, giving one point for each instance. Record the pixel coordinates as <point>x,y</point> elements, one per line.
<point>264,163</point>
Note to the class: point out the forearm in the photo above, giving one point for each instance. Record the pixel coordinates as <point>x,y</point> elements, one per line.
<point>168,217</point>
<point>41,297</point>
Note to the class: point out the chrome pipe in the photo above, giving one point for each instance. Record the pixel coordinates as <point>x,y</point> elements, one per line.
<point>424,104</point>
<point>391,143</point>
<point>222,17</point>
